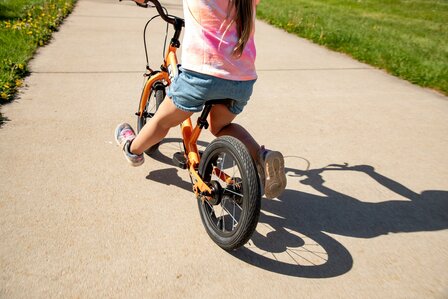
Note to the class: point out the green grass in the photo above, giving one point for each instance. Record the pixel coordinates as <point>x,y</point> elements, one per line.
<point>24,26</point>
<point>408,38</point>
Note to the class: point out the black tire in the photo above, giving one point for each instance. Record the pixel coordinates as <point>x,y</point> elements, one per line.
<point>238,203</point>
<point>155,98</point>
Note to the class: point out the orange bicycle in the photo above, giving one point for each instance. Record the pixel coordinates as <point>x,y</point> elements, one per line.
<point>224,177</point>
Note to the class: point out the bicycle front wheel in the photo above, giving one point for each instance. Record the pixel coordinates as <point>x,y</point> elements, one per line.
<point>155,98</point>
<point>231,215</point>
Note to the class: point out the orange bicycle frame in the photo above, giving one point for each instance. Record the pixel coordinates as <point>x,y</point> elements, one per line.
<point>169,71</point>
<point>190,134</point>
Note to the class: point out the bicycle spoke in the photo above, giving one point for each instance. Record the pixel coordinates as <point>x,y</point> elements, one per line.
<point>212,211</point>
<point>234,223</point>
<point>230,214</point>
<point>222,215</point>
<point>233,192</point>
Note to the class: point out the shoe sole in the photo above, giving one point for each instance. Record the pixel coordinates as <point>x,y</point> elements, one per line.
<point>275,174</point>
<point>116,135</point>
<point>135,164</point>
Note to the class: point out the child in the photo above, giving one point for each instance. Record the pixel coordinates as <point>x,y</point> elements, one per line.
<point>218,62</point>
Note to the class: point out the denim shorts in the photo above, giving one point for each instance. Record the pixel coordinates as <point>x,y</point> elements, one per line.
<point>190,90</point>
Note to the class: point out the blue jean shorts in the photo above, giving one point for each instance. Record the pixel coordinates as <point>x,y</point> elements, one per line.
<point>190,90</point>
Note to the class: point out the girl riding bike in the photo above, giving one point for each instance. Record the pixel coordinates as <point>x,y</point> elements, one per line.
<point>218,59</point>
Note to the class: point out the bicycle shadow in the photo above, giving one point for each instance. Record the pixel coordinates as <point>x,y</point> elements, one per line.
<point>170,176</point>
<point>292,237</point>
<point>299,223</point>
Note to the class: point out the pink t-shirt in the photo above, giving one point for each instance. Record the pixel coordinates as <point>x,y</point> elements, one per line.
<point>209,39</point>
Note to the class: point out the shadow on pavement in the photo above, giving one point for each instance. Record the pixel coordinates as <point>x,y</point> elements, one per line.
<point>170,176</point>
<point>3,119</point>
<point>292,237</point>
<point>298,223</point>
<point>15,98</point>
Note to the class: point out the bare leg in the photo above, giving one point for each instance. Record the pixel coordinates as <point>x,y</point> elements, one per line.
<point>270,167</point>
<point>221,124</point>
<point>156,128</point>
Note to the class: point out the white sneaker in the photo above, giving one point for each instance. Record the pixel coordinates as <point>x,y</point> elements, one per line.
<point>124,135</point>
<point>272,172</point>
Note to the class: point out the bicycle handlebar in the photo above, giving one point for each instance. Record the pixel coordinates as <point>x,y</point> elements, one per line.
<point>171,20</point>
<point>165,17</point>
<point>161,12</point>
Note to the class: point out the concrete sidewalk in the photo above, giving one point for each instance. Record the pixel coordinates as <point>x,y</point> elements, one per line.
<point>77,221</point>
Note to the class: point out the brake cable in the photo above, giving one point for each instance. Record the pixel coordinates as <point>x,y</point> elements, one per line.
<point>144,37</point>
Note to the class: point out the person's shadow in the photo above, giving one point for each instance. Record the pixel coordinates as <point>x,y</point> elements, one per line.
<point>301,222</point>
<point>292,236</point>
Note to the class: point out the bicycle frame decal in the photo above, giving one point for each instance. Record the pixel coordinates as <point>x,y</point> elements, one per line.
<point>171,61</point>
<point>222,175</point>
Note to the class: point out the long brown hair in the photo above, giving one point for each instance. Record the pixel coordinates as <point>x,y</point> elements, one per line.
<point>244,19</point>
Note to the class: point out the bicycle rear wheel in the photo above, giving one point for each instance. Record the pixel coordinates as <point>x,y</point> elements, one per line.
<point>231,215</point>
<point>155,98</point>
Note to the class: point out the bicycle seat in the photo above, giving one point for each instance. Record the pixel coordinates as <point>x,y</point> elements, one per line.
<point>202,120</point>
<point>219,101</point>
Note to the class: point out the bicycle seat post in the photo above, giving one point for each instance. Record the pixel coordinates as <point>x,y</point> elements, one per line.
<point>202,120</point>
